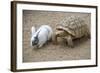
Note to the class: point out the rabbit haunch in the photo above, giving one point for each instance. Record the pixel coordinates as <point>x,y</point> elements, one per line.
<point>41,36</point>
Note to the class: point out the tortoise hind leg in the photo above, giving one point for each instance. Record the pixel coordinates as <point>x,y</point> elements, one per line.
<point>69,41</point>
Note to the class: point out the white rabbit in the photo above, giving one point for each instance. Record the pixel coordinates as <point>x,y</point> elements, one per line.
<point>41,36</point>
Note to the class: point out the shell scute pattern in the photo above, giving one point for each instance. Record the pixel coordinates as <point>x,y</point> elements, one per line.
<point>75,26</point>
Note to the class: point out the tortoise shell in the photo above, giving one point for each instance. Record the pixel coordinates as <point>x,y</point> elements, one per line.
<point>74,25</point>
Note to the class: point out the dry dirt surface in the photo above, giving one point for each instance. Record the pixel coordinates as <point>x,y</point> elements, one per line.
<point>51,52</point>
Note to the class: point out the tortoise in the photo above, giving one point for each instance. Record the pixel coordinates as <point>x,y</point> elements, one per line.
<point>71,28</point>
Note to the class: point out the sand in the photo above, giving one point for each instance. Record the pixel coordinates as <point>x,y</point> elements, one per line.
<point>51,52</point>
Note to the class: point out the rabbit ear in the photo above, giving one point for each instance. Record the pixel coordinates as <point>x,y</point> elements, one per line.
<point>33,30</point>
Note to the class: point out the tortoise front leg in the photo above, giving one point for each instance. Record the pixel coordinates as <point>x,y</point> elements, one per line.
<point>69,41</point>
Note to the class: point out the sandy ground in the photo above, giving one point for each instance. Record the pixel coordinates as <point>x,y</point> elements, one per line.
<point>51,52</point>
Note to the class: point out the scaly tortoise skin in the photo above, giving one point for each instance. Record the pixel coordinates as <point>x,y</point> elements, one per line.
<point>71,28</point>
